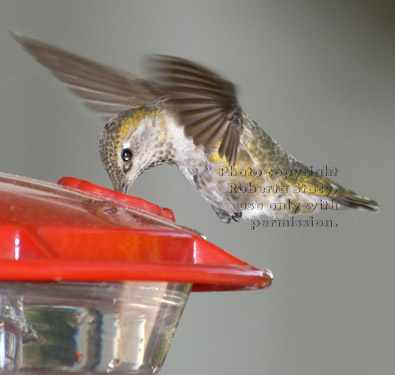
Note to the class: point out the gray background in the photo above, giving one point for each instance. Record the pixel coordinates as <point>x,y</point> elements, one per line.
<point>319,77</point>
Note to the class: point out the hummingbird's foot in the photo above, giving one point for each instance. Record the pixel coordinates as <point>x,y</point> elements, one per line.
<point>222,214</point>
<point>237,216</point>
<point>225,217</point>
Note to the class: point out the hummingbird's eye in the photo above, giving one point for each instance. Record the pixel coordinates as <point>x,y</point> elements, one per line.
<point>126,154</point>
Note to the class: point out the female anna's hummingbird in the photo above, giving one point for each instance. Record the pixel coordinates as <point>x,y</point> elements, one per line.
<point>190,117</point>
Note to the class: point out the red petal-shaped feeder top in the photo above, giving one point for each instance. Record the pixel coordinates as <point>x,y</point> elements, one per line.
<point>78,231</point>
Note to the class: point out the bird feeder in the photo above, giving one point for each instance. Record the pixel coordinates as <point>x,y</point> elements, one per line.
<point>94,281</point>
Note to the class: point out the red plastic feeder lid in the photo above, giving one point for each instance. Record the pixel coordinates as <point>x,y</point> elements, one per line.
<point>78,231</point>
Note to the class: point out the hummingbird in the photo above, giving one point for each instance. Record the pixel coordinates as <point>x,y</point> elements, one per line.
<point>189,116</point>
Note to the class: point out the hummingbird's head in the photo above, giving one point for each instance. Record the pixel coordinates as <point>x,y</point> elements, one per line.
<point>133,142</point>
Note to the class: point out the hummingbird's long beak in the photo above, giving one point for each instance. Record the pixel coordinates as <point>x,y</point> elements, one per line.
<point>119,184</point>
<point>124,187</point>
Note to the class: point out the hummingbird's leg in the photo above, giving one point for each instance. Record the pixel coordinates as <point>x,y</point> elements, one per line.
<point>222,214</point>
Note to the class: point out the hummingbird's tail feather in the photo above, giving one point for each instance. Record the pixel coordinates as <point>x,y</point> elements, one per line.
<point>353,200</point>
<point>325,189</point>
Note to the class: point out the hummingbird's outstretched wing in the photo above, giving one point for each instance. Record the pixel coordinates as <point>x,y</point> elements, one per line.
<point>107,90</point>
<point>206,104</point>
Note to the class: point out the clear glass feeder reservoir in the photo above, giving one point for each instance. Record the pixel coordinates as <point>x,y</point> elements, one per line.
<point>81,327</point>
<point>93,281</point>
